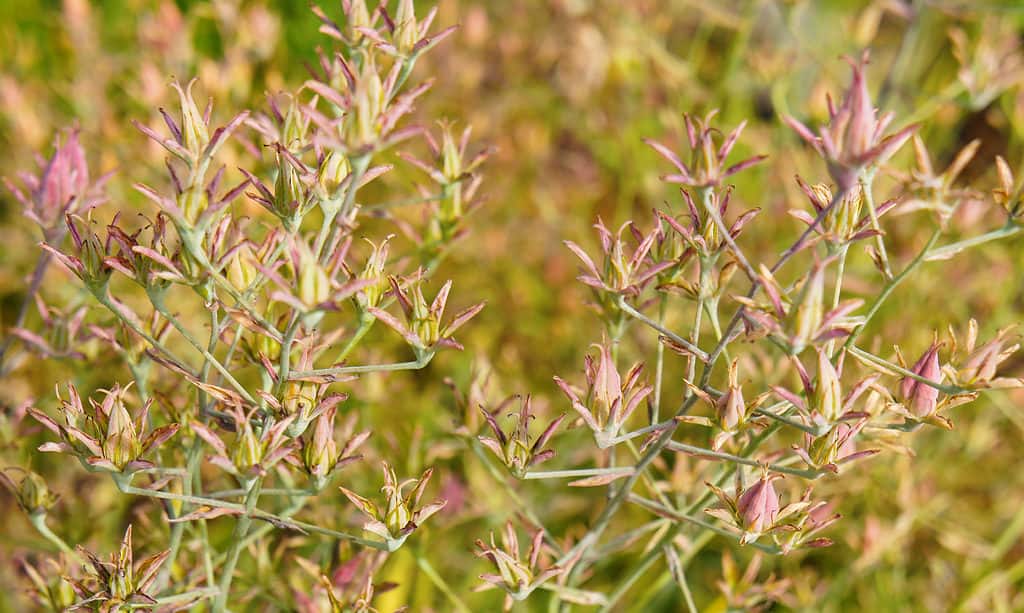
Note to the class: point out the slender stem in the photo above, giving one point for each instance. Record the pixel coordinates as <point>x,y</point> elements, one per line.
<point>866,181</point>
<point>416,364</point>
<point>39,523</point>
<point>697,351</point>
<point>659,368</point>
<point>948,251</point>
<point>889,287</point>
<point>440,584</point>
<point>718,455</point>
<point>235,550</point>
<point>158,304</point>
<point>581,472</point>
<point>897,369</point>
<point>681,516</point>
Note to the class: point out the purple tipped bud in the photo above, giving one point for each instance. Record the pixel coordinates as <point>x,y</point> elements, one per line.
<point>921,399</point>
<point>758,506</point>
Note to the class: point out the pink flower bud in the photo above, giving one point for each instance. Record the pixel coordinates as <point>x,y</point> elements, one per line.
<point>758,506</point>
<point>921,399</point>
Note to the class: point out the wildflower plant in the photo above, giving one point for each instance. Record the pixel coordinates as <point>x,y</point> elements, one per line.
<point>259,299</point>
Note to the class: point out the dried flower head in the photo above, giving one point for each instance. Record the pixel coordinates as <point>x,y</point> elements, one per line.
<point>518,576</point>
<point>401,513</point>
<point>854,139</point>
<point>103,434</point>
<point>514,448</point>
<point>119,584</point>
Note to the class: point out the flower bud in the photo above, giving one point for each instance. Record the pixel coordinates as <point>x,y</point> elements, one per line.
<point>828,394</point>
<point>299,398</point>
<point>920,398</point>
<point>758,506</point>
<point>193,127</point>
<point>732,410</point>
<point>241,272</point>
<point>810,311</point>
<point>333,170</point>
<point>321,452</point>
<point>406,30</point>
<point>31,493</point>
<point>121,444</point>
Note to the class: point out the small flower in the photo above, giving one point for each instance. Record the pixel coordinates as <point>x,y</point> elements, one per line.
<point>934,191</point>
<point>823,404</point>
<point>919,398</point>
<point>1010,193</point>
<point>708,168</point>
<point>756,510</point>
<point>854,139</point>
<point>423,329</point>
<point>977,369</point>
<point>400,515</point>
<point>120,583</point>
<point>408,38</point>
<point>50,584</point>
<point>88,256</point>
<point>453,173</point>
<point>704,235</point>
<point>103,435</point>
<point>514,449</point>
<point>620,274</point>
<point>610,399</point>
<point>835,447</point>
<point>797,318</point>
<point>62,187</point>
<point>844,224</point>
<point>320,454</point>
<point>519,577</point>
<point>250,456</point>
<point>309,285</point>
<point>363,118</point>
<point>62,332</point>
<point>746,593</point>
<point>732,414</point>
<point>30,492</point>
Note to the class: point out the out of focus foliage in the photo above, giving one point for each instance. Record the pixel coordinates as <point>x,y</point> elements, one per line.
<point>566,90</point>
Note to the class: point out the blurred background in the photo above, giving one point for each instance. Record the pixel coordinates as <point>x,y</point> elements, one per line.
<point>565,90</point>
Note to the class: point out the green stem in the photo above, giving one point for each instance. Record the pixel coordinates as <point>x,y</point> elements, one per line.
<point>39,523</point>
<point>866,181</point>
<point>440,584</point>
<point>693,349</point>
<point>581,472</point>
<point>889,287</point>
<point>948,251</point>
<point>718,455</point>
<point>234,552</point>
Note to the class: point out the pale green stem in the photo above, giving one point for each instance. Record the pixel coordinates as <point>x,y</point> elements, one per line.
<point>659,369</point>
<point>889,287</point>
<point>693,349</point>
<point>38,521</point>
<point>866,180</point>
<point>581,472</point>
<point>948,251</point>
<point>242,524</point>
<point>158,304</point>
<point>416,364</point>
<point>718,455</point>
<point>896,369</point>
<point>440,584</point>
